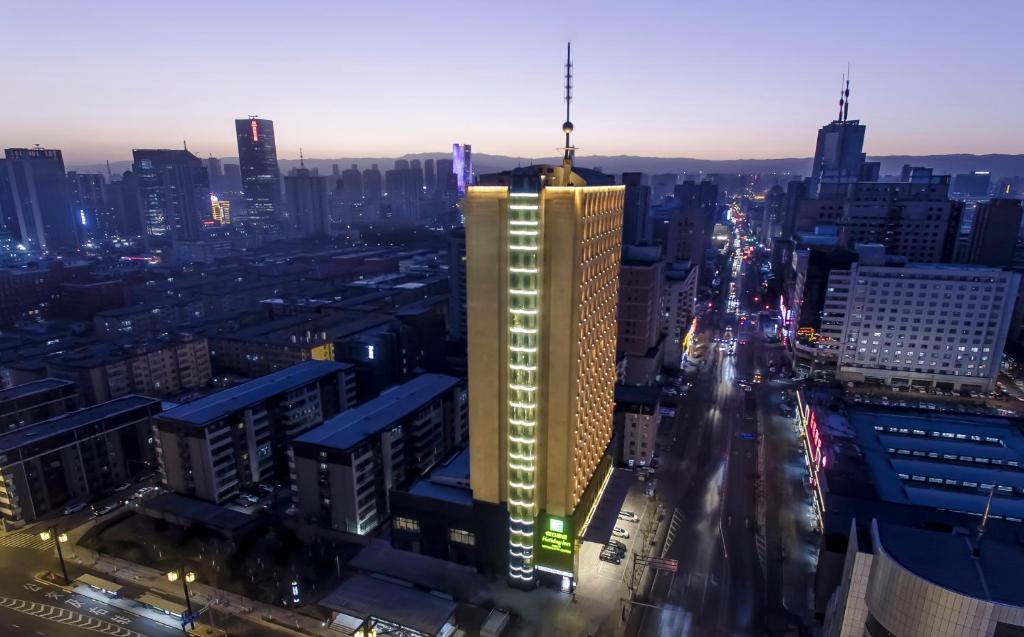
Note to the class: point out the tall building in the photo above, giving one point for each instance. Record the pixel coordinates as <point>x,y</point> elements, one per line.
<point>543,250</point>
<point>636,222</point>
<point>429,176</point>
<point>126,199</point>
<point>372,184</point>
<point>175,191</point>
<point>839,153</point>
<point>232,178</point>
<point>220,210</point>
<point>261,178</point>
<point>462,166</point>
<point>91,206</point>
<point>308,202</point>
<point>641,281</point>
<point>38,191</point>
<point>994,233</point>
<point>457,317</point>
<point>351,185</point>
<point>215,170</point>
<point>919,325</point>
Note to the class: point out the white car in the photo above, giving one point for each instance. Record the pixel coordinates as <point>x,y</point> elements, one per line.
<point>628,516</point>
<point>620,533</point>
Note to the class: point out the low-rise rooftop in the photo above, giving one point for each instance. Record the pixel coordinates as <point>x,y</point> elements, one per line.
<point>27,389</point>
<point>74,420</point>
<point>211,408</point>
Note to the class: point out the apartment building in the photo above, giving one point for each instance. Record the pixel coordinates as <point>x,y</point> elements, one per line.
<point>74,457</point>
<point>157,367</point>
<point>33,402</point>
<point>342,471</point>
<point>216,446</point>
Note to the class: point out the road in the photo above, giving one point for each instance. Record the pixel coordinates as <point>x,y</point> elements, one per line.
<point>732,512</point>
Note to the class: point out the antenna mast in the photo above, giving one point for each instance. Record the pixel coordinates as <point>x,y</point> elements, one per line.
<point>846,94</point>
<point>570,150</point>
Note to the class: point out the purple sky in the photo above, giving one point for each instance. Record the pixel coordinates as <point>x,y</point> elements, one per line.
<point>714,80</point>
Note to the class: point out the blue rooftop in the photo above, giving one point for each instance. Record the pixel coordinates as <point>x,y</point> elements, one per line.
<point>34,387</point>
<point>211,408</point>
<point>351,427</point>
<point>72,421</point>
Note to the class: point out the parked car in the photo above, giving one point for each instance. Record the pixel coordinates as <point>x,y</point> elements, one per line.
<point>628,516</point>
<point>620,532</point>
<point>105,509</point>
<point>617,544</point>
<point>610,557</point>
<point>74,508</point>
<point>620,550</point>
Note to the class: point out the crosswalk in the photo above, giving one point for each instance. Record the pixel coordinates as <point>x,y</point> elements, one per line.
<point>673,528</point>
<point>22,540</point>
<point>67,617</point>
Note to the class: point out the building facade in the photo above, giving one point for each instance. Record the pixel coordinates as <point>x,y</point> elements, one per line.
<point>342,472</point>
<point>175,190</point>
<point>925,325</point>
<point>543,252</point>
<point>27,404</point>
<point>216,446</point>
<point>38,192</point>
<point>74,457</point>
<point>261,177</point>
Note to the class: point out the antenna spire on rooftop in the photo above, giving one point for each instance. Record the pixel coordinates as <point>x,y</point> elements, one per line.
<point>302,160</point>
<point>842,101</point>
<point>570,150</point>
<point>846,94</point>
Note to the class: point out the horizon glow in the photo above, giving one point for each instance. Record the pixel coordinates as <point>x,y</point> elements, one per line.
<point>657,78</point>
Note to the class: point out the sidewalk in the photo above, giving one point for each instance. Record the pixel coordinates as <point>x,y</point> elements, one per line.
<point>288,622</point>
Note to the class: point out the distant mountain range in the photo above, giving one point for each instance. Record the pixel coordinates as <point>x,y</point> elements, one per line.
<point>998,165</point>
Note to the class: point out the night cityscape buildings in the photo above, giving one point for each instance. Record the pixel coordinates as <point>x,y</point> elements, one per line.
<point>393,386</point>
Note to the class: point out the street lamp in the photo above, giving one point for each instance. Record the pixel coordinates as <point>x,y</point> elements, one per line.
<point>58,539</point>
<point>186,577</point>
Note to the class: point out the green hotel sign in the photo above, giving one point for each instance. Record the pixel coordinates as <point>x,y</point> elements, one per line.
<point>555,537</point>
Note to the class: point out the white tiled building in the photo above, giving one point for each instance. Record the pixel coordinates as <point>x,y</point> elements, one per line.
<point>919,324</point>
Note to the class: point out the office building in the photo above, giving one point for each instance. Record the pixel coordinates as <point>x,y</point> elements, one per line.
<point>343,470</point>
<point>457,315</point>
<point>911,219</point>
<point>447,182</point>
<point>232,178</point>
<point>995,232</point>
<point>91,207</point>
<point>38,191</point>
<point>839,152</point>
<point>175,191</point>
<point>74,457</point>
<point>351,185</point>
<point>636,222</point>
<point>915,581</point>
<point>154,367</point>
<point>543,252</point>
<point>226,442</point>
<point>308,203</point>
<point>429,176</point>
<point>640,339</point>
<point>261,177</point>
<point>919,325</point>
<point>215,170</point>
<point>27,404</point>
<point>972,186</point>
<point>688,234</point>
<point>662,186</point>
<point>462,166</point>
<point>220,210</point>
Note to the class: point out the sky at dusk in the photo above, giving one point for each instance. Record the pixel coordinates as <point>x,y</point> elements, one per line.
<point>715,80</point>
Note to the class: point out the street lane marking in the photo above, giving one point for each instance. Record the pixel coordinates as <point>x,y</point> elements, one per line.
<point>45,611</point>
<point>21,540</point>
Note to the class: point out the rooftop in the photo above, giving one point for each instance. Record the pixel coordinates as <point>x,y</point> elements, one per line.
<point>211,408</point>
<point>27,389</point>
<point>350,427</point>
<point>993,576</point>
<point>72,421</point>
<point>364,596</point>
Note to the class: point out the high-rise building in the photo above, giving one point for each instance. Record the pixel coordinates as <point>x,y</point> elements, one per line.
<point>429,176</point>
<point>838,155</point>
<point>462,166</point>
<point>308,202</point>
<point>175,190</point>
<point>457,321</point>
<point>261,178</point>
<point>126,199</point>
<point>543,251</point>
<point>641,281</point>
<point>994,233</point>
<point>38,191</point>
<point>215,170</point>
<point>221,210</point>
<point>351,185</point>
<point>372,185</point>
<point>973,185</point>
<point>636,222</point>
<point>447,183</point>
<point>232,178</point>
<point>91,206</point>
<point>920,325</point>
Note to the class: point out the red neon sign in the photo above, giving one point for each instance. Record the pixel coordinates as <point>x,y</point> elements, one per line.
<point>255,130</point>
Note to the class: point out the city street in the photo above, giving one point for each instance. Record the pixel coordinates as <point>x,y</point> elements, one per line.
<point>731,482</point>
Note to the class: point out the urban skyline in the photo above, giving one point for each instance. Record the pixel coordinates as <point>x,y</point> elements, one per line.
<point>720,88</point>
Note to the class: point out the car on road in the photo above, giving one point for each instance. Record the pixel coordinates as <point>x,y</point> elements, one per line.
<point>144,491</point>
<point>617,544</point>
<point>620,532</point>
<point>628,516</point>
<point>105,509</point>
<point>74,508</point>
<point>123,487</point>
<point>618,548</point>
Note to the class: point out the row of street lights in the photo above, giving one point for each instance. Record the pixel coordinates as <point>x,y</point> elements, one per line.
<point>186,576</point>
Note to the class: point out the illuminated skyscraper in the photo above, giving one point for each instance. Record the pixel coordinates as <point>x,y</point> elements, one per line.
<point>221,210</point>
<point>462,165</point>
<point>261,178</point>
<point>175,189</point>
<point>543,249</point>
<point>37,193</point>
